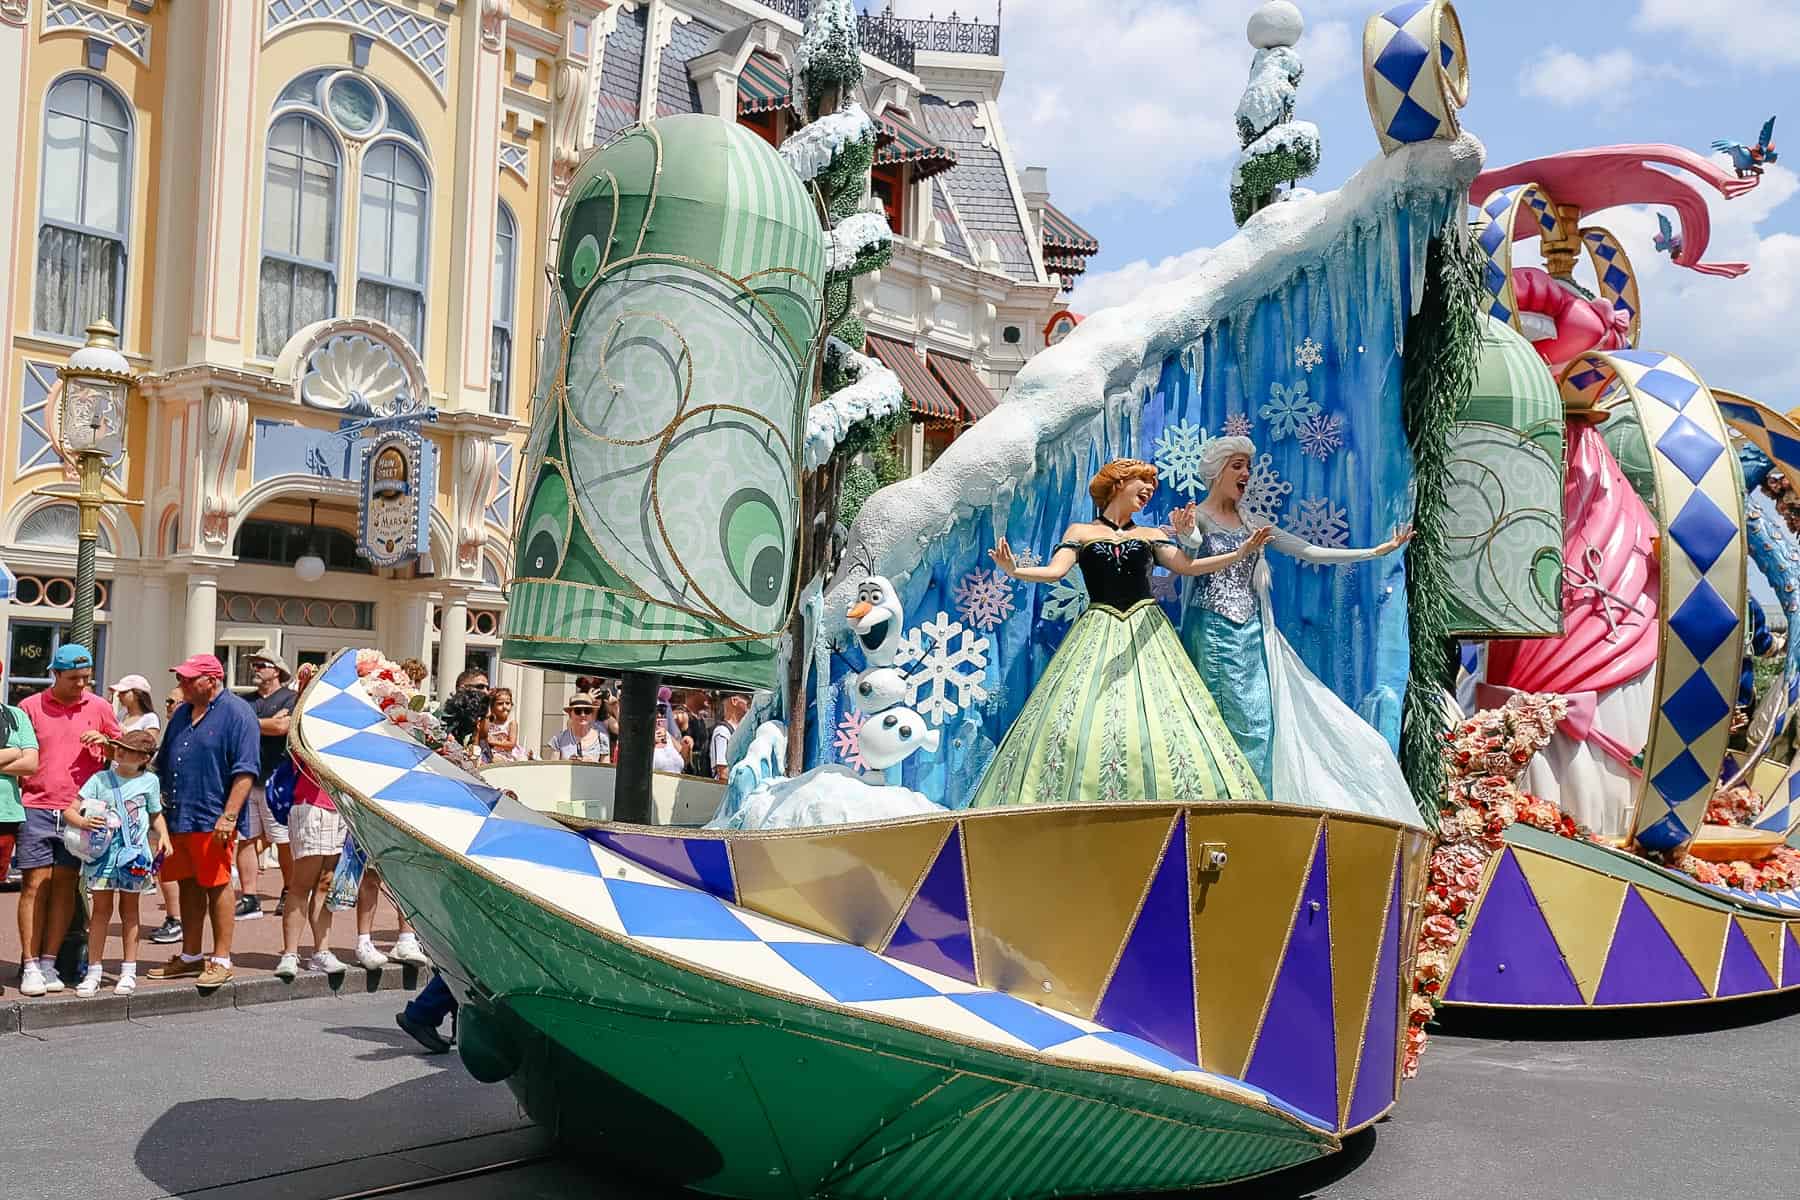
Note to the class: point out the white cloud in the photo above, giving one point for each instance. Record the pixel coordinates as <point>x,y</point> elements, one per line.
<point>1133,99</point>
<point>1757,33</point>
<point>1108,288</point>
<point>1610,82</point>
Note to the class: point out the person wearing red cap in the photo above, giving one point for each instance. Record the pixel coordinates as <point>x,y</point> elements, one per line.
<point>206,764</point>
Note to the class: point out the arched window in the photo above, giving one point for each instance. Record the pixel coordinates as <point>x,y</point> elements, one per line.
<point>506,250</point>
<point>392,232</point>
<point>86,207</point>
<point>298,283</point>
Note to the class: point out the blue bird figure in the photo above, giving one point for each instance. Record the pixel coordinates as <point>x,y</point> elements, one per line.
<point>1667,241</point>
<point>1750,160</point>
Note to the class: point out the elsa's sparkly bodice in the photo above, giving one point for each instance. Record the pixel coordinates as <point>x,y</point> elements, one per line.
<point>1231,592</point>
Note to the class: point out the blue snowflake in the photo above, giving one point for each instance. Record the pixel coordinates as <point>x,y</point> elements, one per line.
<point>1177,456</point>
<point>1287,410</point>
<point>1321,436</point>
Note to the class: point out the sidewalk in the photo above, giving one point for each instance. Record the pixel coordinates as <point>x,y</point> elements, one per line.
<point>255,950</point>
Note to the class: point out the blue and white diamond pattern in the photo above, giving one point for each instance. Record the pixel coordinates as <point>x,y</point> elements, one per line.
<point>423,40</point>
<point>1495,228</point>
<point>131,36</point>
<point>1700,504</point>
<point>1618,281</point>
<point>341,731</point>
<point>1788,901</point>
<point>1415,73</point>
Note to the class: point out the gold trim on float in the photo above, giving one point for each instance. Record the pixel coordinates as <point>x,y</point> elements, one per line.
<point>1238,1094</point>
<point>850,886</point>
<point>1355,929</point>
<point>1582,909</point>
<point>912,893</point>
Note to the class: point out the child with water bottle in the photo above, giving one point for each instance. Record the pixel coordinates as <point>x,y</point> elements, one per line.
<point>118,818</point>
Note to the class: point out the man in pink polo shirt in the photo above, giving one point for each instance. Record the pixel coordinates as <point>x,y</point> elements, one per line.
<point>72,726</point>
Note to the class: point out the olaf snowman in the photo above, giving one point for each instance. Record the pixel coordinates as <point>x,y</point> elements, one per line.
<point>891,733</point>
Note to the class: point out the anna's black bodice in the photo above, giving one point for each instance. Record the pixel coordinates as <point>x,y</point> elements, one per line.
<point>1117,573</point>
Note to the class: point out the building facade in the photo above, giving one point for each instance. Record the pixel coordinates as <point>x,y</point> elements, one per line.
<point>303,213</point>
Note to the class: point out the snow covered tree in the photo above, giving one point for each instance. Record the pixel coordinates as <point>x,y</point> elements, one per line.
<point>1277,149</point>
<point>857,401</point>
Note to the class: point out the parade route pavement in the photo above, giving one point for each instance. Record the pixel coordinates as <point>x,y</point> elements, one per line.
<point>323,1099</point>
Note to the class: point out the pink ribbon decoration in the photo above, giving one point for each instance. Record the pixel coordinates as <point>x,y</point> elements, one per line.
<point>1584,710</point>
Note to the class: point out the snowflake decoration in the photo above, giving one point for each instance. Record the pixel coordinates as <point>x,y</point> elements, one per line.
<point>1177,456</point>
<point>952,663</point>
<point>846,742</point>
<point>984,599</point>
<point>1237,425</point>
<point>1267,492</point>
<point>1308,355</point>
<point>1321,436</point>
<point>1162,585</point>
<point>1320,522</point>
<point>1288,409</point>
<point>1027,558</point>
<point>1068,598</point>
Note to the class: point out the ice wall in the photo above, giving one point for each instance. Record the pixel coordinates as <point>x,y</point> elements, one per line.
<point>1296,325</point>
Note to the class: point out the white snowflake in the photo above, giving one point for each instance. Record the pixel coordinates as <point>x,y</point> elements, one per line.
<point>844,741</point>
<point>1068,598</point>
<point>1027,558</point>
<point>1237,425</point>
<point>1177,456</point>
<point>984,599</point>
<point>948,679</point>
<point>1288,409</point>
<point>1320,522</point>
<point>1267,492</point>
<point>1322,436</point>
<point>1308,355</point>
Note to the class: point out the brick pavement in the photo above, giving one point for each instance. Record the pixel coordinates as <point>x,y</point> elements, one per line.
<point>255,951</point>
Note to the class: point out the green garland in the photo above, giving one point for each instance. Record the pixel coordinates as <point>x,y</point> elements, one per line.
<point>1443,350</point>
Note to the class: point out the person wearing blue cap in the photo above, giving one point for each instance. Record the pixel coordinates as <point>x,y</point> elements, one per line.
<point>73,727</point>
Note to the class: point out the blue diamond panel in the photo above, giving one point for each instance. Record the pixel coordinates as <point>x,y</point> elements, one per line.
<point>1500,202</point>
<point>424,787</point>
<point>1615,278</point>
<point>1666,386</point>
<point>1695,708</point>
<point>348,711</point>
<point>1664,834</point>
<point>342,671</point>
<point>1584,380</point>
<point>1400,14</point>
<point>648,910</point>
<point>1681,780</point>
<point>1401,60</point>
<point>850,973</point>
<point>1030,1024</point>
<point>1492,237</point>
<point>1643,358</point>
<point>1603,250</point>
<point>1690,448</point>
<point>1157,1055</point>
<point>1704,621</point>
<point>1784,448</point>
<point>1411,122</point>
<point>374,748</point>
<point>543,845</point>
<point>1702,531</point>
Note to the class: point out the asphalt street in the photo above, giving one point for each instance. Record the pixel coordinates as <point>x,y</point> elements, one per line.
<point>324,1098</point>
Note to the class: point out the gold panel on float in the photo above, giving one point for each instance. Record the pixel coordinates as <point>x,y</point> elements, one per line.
<point>1241,920</point>
<point>1765,938</point>
<point>1582,907</point>
<point>851,886</point>
<point>1052,895</point>
<point>1417,850</point>
<point>1360,861</point>
<point>1699,933</point>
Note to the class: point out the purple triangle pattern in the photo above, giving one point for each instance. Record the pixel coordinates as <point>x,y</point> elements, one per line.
<point>1741,972</point>
<point>703,863</point>
<point>1790,959</point>
<point>1296,1050</point>
<point>934,931</point>
<point>1152,990</point>
<point>1380,1053</point>
<point>1644,965</point>
<point>1510,956</point>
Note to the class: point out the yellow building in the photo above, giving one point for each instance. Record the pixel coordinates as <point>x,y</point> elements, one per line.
<point>296,212</point>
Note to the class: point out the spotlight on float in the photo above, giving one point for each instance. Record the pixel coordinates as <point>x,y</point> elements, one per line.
<point>309,566</point>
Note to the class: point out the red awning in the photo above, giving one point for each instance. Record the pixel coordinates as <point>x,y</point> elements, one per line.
<point>960,380</point>
<point>923,392</point>
<point>763,85</point>
<point>898,140</point>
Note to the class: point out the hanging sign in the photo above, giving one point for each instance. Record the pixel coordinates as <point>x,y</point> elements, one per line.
<point>392,524</point>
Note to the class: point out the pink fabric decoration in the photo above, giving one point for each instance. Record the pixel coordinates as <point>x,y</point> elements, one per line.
<point>1607,176</point>
<point>1581,324</point>
<point>1611,586</point>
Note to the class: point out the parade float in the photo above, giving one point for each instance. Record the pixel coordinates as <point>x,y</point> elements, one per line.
<point>1019,886</point>
<point>1624,842</point>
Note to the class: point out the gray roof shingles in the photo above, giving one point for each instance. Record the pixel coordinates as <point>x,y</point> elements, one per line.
<point>675,92</point>
<point>954,242</point>
<point>979,183</point>
<point>621,73</point>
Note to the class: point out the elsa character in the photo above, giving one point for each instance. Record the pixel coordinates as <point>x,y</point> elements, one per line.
<point>1120,715</point>
<point>1304,743</point>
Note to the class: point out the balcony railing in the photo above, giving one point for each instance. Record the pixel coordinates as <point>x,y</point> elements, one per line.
<point>897,39</point>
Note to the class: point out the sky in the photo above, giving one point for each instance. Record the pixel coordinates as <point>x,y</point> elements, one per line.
<point>1129,104</point>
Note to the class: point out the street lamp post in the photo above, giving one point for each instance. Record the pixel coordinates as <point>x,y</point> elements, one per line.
<point>91,428</point>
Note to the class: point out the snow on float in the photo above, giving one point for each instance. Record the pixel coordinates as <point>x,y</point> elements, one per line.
<point>1650,867</point>
<point>1203,960</point>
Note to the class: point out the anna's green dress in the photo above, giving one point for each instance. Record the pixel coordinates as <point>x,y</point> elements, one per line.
<point>1120,715</point>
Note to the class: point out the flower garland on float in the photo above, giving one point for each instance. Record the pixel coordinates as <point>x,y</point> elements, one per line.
<point>1738,808</point>
<point>400,702</point>
<point>1484,757</point>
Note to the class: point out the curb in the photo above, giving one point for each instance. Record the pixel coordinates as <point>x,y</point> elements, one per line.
<point>35,1016</point>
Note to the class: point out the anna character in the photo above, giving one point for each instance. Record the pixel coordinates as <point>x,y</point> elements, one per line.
<point>1120,713</point>
<point>1305,744</point>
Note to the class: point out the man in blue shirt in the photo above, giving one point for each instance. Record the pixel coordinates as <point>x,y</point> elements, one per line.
<point>210,755</point>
